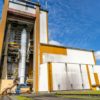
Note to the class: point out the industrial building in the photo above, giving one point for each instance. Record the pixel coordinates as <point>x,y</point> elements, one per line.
<point>25,53</point>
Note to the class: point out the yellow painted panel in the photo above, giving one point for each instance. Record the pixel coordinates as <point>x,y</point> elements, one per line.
<point>89,78</point>
<point>37,48</point>
<point>94,58</point>
<point>3,25</point>
<point>51,50</point>
<point>50,80</point>
<point>41,58</point>
<point>96,78</point>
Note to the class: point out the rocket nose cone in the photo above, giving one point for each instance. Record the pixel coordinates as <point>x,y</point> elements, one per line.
<point>24,30</point>
<point>23,36</point>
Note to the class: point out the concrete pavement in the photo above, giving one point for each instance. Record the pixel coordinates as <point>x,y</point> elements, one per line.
<point>5,98</point>
<point>47,97</point>
<point>52,98</point>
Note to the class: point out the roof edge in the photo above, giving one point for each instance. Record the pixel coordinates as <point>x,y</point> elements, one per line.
<point>66,47</point>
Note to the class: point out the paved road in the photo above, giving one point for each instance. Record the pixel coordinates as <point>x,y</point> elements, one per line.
<point>51,98</point>
<point>5,98</point>
<point>48,97</point>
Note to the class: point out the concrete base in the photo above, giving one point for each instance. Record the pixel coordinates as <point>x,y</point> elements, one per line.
<point>4,84</point>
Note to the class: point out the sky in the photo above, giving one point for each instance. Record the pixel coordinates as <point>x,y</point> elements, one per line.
<point>74,23</point>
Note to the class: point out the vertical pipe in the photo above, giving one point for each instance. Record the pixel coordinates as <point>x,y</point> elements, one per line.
<point>22,62</point>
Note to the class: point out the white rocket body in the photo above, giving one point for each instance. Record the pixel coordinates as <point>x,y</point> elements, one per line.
<point>22,62</point>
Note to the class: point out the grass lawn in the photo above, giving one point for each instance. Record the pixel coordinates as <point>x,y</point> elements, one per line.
<point>81,97</point>
<point>22,98</point>
<point>78,93</point>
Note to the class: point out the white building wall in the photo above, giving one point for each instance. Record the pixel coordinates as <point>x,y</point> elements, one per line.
<point>73,56</point>
<point>22,8</point>
<point>43,27</point>
<point>43,77</point>
<point>75,76</point>
<point>69,71</point>
<point>69,77</point>
<point>80,56</point>
<point>91,70</point>
<point>85,79</point>
<point>60,77</point>
<point>97,70</point>
<point>65,77</point>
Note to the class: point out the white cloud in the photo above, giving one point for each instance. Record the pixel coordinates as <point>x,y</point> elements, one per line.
<point>53,42</point>
<point>97,55</point>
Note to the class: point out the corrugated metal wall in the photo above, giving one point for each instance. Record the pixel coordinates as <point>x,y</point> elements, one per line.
<point>64,76</point>
<point>85,80</point>
<point>60,77</point>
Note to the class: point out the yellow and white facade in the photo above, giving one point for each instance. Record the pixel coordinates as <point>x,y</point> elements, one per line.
<point>67,68</point>
<point>47,67</point>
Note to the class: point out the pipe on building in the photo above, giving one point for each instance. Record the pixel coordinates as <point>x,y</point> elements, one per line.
<point>22,62</point>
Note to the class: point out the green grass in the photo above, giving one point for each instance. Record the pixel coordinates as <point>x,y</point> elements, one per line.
<point>22,98</point>
<point>84,95</point>
<point>81,97</point>
<point>78,93</point>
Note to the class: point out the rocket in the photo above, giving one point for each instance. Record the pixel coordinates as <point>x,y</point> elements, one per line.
<point>22,62</point>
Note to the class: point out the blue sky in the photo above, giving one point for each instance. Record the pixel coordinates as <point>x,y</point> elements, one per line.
<point>74,23</point>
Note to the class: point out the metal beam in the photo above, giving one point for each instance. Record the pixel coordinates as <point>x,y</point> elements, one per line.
<point>4,72</point>
<point>36,50</point>
<point>2,27</point>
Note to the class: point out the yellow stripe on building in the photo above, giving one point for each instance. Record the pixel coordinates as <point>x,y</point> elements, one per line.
<point>50,80</point>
